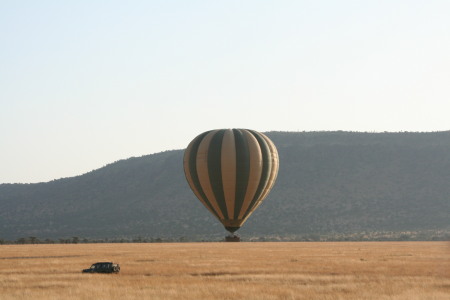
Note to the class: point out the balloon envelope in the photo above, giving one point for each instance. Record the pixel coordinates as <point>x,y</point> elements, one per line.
<point>231,171</point>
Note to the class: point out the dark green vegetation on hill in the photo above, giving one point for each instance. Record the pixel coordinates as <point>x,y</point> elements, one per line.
<point>329,183</point>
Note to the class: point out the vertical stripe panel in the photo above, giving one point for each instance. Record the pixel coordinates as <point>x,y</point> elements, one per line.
<point>190,171</point>
<point>274,161</point>
<point>203,172</point>
<point>242,169</point>
<point>265,170</point>
<point>228,162</point>
<point>215,170</point>
<point>255,159</point>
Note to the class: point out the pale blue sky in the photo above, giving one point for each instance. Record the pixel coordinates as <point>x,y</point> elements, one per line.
<point>86,83</point>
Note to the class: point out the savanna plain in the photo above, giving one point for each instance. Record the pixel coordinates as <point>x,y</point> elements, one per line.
<point>303,270</point>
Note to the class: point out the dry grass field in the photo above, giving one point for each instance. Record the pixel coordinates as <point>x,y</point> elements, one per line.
<point>357,270</point>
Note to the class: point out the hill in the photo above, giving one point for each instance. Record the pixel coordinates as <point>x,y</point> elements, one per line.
<point>329,184</point>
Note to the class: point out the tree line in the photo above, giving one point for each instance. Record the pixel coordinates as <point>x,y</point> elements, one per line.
<point>425,235</point>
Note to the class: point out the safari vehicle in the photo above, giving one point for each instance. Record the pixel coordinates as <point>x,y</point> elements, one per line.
<point>103,267</point>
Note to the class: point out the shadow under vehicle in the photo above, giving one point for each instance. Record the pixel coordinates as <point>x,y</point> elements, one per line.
<point>103,267</point>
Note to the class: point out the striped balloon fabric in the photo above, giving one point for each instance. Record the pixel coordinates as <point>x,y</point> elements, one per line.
<point>231,171</point>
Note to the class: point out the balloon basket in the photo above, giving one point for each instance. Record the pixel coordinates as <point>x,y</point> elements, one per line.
<point>232,238</point>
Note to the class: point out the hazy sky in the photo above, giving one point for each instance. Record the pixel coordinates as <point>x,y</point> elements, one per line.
<point>86,83</point>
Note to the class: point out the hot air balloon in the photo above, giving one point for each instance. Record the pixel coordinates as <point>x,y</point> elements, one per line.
<point>231,171</point>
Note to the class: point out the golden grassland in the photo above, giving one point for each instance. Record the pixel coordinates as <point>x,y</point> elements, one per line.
<point>300,270</point>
